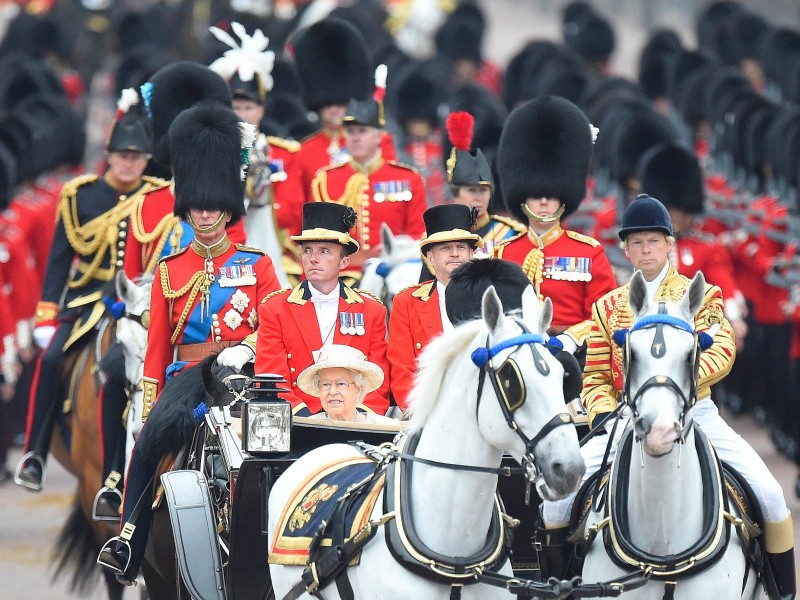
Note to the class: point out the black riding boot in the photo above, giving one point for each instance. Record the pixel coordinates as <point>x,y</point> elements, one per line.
<point>46,397</point>
<point>555,554</point>
<point>783,571</point>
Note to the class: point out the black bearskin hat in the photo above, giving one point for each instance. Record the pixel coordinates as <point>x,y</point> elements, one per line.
<point>173,89</point>
<point>332,62</point>
<point>673,175</point>
<point>633,138</point>
<point>545,151</point>
<point>8,176</point>
<point>420,92</point>
<point>470,280</point>
<point>210,179</point>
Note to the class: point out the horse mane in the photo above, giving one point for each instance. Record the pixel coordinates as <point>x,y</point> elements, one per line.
<point>434,363</point>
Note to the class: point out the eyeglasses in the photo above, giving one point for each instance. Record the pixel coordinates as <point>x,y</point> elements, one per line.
<point>340,385</point>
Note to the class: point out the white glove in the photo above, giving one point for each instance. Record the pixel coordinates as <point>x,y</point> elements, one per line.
<point>43,334</point>
<point>8,360</point>
<point>24,338</point>
<point>236,356</point>
<point>568,343</point>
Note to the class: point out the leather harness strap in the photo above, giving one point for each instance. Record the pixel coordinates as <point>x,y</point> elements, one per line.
<point>197,352</point>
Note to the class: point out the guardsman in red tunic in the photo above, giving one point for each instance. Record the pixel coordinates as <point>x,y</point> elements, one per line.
<point>322,310</point>
<point>273,190</point>
<point>155,231</point>
<point>334,67</point>
<point>92,227</point>
<point>470,179</point>
<point>380,191</point>
<point>204,297</point>
<point>543,160</point>
<point>418,313</point>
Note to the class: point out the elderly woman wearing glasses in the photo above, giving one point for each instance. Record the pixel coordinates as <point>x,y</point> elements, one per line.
<point>340,377</point>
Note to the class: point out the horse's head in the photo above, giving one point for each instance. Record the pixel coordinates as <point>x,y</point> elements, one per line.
<point>662,352</point>
<point>521,405</point>
<point>132,323</point>
<point>398,266</point>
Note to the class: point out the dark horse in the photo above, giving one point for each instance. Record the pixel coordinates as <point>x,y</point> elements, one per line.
<point>173,439</point>
<point>78,449</point>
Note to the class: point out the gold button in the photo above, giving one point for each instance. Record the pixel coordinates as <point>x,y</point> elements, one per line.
<point>119,263</point>
<point>123,196</point>
<point>418,346</point>
<point>217,330</point>
<point>292,370</point>
<point>294,384</point>
<point>366,219</point>
<point>218,338</point>
<point>215,323</point>
<point>215,316</point>
<point>123,224</point>
<point>123,233</point>
<point>289,356</point>
<point>121,253</point>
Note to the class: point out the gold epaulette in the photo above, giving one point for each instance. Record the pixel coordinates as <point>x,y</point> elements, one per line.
<point>513,223</point>
<point>701,236</point>
<point>71,187</point>
<point>331,167</point>
<point>174,254</point>
<point>401,165</point>
<point>368,295</point>
<point>244,248</point>
<point>425,290</point>
<point>156,182</point>
<point>310,136</point>
<point>498,250</point>
<point>579,237</point>
<point>288,145</point>
<point>411,287</point>
<point>276,293</point>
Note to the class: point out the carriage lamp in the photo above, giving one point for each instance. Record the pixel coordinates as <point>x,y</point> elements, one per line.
<point>267,418</point>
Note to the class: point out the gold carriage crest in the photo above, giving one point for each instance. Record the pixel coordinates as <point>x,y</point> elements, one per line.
<point>303,511</point>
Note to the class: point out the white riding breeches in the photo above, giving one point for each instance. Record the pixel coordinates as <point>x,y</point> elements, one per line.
<point>729,445</point>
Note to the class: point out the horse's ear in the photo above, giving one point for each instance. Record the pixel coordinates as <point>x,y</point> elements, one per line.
<point>123,284</point>
<point>387,238</point>
<point>692,301</point>
<point>637,294</point>
<point>547,314</point>
<point>492,308</point>
<point>213,387</point>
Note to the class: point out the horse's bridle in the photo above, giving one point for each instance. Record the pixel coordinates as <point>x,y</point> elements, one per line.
<point>507,380</point>
<point>658,349</point>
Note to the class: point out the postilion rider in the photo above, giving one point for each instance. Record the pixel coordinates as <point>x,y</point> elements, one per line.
<point>92,226</point>
<point>418,312</point>
<point>647,238</point>
<point>204,299</point>
<point>322,310</point>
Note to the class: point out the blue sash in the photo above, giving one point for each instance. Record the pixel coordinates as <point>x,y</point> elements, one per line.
<point>198,325</point>
<point>187,235</point>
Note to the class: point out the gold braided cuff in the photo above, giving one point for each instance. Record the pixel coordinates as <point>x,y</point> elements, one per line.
<point>46,312</point>
<point>250,341</point>
<point>150,389</point>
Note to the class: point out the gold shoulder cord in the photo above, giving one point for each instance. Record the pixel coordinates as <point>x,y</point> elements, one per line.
<point>533,268</point>
<point>192,287</point>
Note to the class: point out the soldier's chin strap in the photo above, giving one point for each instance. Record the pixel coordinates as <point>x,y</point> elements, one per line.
<point>208,228</point>
<point>542,219</point>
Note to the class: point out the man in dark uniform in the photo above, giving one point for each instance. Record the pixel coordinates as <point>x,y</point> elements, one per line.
<point>379,190</point>
<point>418,312</point>
<point>203,301</point>
<point>470,179</point>
<point>322,310</point>
<point>92,226</point>
<point>543,160</point>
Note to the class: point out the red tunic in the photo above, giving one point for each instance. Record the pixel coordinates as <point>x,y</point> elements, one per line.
<point>289,195</point>
<point>570,268</point>
<point>388,192</point>
<point>414,321</point>
<point>288,333</point>
<point>322,150</point>
<point>699,252</point>
<point>176,315</point>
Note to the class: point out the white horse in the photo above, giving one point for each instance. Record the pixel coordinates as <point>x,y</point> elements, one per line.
<point>398,267</point>
<point>657,490</point>
<point>132,335</point>
<point>464,417</point>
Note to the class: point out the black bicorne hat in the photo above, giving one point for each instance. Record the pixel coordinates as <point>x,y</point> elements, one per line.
<point>247,90</point>
<point>131,133</point>
<point>370,110</point>
<point>328,222</point>
<point>211,179</point>
<point>449,223</point>
<point>645,214</point>
<point>545,152</point>
<point>464,167</point>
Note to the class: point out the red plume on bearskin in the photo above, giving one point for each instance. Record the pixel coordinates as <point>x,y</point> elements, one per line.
<point>459,129</point>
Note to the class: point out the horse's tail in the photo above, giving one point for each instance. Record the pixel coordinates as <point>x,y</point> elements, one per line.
<point>76,551</point>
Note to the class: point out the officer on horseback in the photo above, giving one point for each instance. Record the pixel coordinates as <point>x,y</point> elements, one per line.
<point>92,226</point>
<point>204,299</point>
<point>647,238</point>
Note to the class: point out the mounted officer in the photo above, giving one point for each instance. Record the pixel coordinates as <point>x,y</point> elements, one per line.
<point>92,227</point>
<point>203,301</point>
<point>418,312</point>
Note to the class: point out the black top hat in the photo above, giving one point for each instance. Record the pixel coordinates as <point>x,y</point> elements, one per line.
<point>463,167</point>
<point>448,223</point>
<point>211,179</point>
<point>545,151</point>
<point>328,222</point>
<point>645,214</point>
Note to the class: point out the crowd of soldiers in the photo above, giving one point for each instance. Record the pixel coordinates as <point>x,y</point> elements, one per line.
<point>354,128</point>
